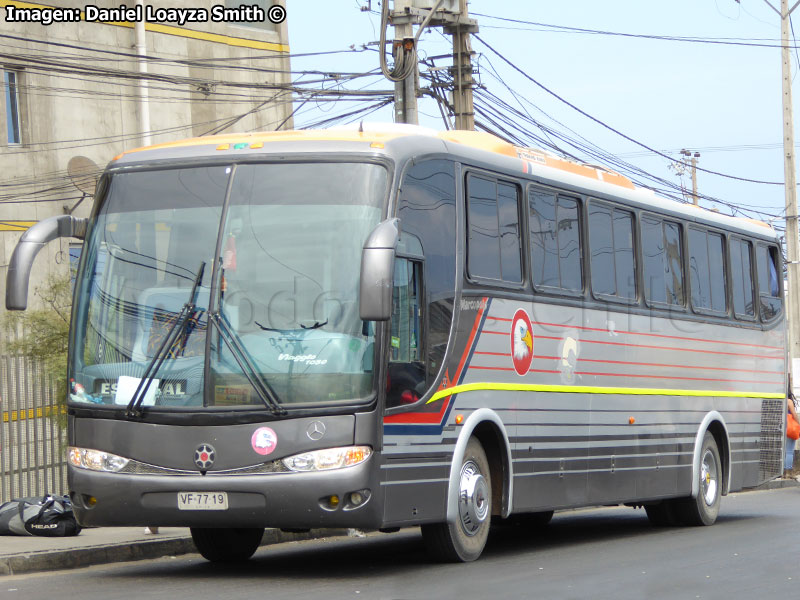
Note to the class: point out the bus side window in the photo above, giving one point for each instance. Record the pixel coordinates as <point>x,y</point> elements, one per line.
<point>406,377</point>
<point>769,288</point>
<point>662,258</point>
<point>612,256</point>
<point>494,247</point>
<point>707,270</point>
<point>742,278</point>
<point>555,241</point>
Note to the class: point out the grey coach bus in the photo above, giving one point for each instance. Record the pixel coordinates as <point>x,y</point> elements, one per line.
<point>397,327</point>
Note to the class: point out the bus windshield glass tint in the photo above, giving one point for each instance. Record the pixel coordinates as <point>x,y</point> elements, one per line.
<point>286,285</point>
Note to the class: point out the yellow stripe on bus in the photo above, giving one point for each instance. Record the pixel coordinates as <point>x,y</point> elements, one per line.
<point>588,389</point>
<point>32,413</point>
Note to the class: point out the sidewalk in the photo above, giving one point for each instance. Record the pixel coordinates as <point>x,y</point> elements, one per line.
<point>102,545</point>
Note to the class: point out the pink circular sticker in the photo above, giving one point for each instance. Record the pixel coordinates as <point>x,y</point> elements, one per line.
<point>264,440</point>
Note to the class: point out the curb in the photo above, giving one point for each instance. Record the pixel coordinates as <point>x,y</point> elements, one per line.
<point>775,484</point>
<point>74,558</point>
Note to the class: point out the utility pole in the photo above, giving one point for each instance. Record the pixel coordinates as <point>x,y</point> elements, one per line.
<point>694,158</point>
<point>462,69</point>
<point>405,90</point>
<point>452,16</point>
<point>143,87</point>
<point>790,185</point>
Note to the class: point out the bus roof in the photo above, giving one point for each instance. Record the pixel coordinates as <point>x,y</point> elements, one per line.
<point>379,136</point>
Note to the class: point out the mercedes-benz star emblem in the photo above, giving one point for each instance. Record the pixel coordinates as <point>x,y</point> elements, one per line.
<point>315,430</point>
<point>204,456</point>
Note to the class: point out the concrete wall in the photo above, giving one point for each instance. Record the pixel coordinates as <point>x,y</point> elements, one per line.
<point>79,112</point>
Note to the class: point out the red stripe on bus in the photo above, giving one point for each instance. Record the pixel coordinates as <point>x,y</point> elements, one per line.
<point>775,382</point>
<point>658,335</point>
<point>546,337</point>
<point>644,364</point>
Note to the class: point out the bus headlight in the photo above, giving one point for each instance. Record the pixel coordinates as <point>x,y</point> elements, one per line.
<point>330,458</point>
<point>95,460</point>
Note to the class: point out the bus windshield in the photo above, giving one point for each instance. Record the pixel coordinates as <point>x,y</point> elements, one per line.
<point>276,317</point>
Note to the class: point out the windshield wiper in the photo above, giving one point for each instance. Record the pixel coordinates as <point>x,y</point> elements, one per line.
<point>316,325</point>
<point>134,409</point>
<point>265,393</point>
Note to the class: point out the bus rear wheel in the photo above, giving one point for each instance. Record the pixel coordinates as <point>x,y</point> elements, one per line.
<point>229,545</point>
<point>704,509</point>
<point>464,540</point>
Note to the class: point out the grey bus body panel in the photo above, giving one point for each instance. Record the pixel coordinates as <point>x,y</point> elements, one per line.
<point>173,446</point>
<point>268,498</point>
<point>612,406</point>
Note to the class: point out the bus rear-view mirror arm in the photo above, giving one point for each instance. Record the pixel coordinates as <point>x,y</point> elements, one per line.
<point>377,272</point>
<point>33,240</point>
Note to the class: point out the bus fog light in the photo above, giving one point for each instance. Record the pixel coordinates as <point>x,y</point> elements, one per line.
<point>330,502</point>
<point>357,499</point>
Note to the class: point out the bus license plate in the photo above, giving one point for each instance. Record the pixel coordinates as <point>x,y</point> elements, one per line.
<point>202,501</point>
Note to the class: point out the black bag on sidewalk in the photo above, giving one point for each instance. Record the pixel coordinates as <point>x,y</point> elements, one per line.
<point>50,516</point>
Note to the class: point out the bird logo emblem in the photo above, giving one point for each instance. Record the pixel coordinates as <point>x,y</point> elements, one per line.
<point>521,342</point>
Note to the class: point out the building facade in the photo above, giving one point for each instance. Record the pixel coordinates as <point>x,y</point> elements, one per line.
<point>79,91</point>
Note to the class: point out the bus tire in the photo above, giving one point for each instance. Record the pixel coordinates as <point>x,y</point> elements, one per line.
<point>704,509</point>
<point>231,545</point>
<point>464,540</point>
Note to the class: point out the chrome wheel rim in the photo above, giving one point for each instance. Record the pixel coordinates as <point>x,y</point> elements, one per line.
<point>708,478</point>
<point>473,499</point>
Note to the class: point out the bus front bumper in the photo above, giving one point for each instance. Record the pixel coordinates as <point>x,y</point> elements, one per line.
<point>285,500</point>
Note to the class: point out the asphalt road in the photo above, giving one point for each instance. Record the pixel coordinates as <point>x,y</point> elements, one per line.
<point>753,551</point>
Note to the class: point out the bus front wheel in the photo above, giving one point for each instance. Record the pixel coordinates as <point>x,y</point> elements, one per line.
<point>227,545</point>
<point>464,540</point>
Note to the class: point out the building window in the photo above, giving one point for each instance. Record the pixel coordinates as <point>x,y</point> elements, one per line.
<point>11,88</point>
<point>264,5</point>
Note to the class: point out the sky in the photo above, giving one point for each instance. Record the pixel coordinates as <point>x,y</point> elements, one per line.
<point>719,96</point>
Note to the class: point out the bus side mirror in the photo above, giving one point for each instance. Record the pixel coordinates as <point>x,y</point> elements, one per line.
<point>33,240</point>
<point>377,272</point>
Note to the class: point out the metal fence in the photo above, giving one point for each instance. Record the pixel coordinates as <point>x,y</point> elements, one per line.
<point>32,438</point>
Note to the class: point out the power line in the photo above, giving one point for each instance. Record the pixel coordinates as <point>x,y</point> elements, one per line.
<point>612,129</point>
<point>753,42</point>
